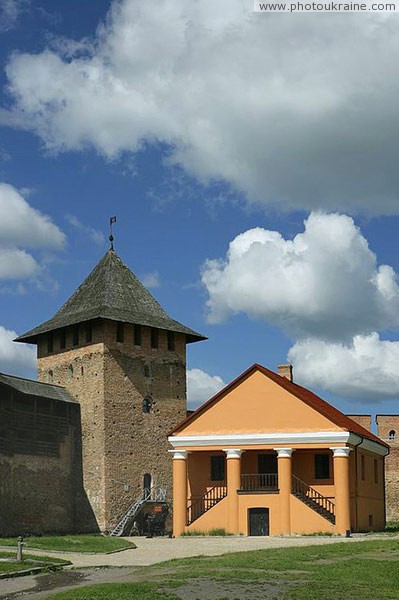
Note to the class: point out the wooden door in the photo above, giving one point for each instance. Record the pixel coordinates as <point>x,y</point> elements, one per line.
<point>258,519</point>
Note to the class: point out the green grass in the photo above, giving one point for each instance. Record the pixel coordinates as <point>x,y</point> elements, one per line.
<point>70,543</point>
<point>29,561</point>
<point>217,531</point>
<point>366,570</point>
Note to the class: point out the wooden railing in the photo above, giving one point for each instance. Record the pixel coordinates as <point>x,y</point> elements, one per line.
<point>313,498</point>
<point>259,481</point>
<point>205,502</point>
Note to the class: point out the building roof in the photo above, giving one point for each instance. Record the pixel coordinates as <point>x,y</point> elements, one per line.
<point>37,388</point>
<point>111,291</point>
<point>311,399</point>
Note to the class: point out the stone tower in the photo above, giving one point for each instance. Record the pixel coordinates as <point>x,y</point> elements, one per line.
<point>388,430</point>
<point>114,348</point>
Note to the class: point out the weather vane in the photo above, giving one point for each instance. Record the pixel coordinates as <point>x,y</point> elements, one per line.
<point>111,237</point>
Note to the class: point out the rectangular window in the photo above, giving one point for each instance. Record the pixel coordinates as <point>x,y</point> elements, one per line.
<point>63,339</point>
<point>375,470</point>
<point>120,332</point>
<point>321,466</point>
<point>50,344</point>
<point>89,333</point>
<point>217,468</point>
<point>137,335</point>
<point>363,467</point>
<point>171,340</point>
<point>154,338</point>
<point>75,335</point>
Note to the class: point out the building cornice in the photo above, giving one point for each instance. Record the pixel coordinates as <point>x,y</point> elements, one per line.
<point>286,438</point>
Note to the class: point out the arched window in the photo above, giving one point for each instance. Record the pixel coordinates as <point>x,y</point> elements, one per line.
<point>147,404</point>
<point>50,376</point>
<point>147,371</point>
<point>147,479</point>
<point>392,434</point>
<point>70,371</point>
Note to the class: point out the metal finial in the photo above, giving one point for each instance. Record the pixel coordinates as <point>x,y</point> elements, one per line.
<point>111,237</point>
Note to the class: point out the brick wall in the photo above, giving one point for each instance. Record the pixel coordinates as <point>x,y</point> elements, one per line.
<point>363,420</point>
<point>110,379</point>
<point>40,475</point>
<point>385,425</point>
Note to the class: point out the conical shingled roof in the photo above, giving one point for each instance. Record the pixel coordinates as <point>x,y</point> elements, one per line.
<point>111,291</point>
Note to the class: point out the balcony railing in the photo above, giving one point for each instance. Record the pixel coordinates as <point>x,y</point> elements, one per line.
<point>259,482</point>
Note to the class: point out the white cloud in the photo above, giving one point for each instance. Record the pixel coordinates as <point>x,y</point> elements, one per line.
<point>15,358</point>
<point>23,225</point>
<point>10,11</point>
<point>298,112</point>
<point>17,264</point>
<point>201,387</point>
<point>365,369</point>
<point>151,280</point>
<point>325,282</point>
<point>95,235</point>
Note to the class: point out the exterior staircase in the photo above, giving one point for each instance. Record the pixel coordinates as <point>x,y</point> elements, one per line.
<point>205,502</point>
<point>312,498</point>
<point>154,494</point>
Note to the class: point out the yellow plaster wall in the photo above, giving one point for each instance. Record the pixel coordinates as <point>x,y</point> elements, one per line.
<point>258,404</point>
<point>215,518</point>
<point>306,520</point>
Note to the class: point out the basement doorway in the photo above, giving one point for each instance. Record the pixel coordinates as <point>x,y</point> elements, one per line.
<point>258,521</point>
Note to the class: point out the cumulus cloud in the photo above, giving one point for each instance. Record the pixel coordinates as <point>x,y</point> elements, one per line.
<point>95,235</point>
<point>325,282</point>
<point>308,123</point>
<point>16,359</point>
<point>365,369</point>
<point>23,225</point>
<point>201,386</point>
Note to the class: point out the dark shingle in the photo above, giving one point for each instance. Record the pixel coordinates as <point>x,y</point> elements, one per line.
<point>36,388</point>
<point>111,291</point>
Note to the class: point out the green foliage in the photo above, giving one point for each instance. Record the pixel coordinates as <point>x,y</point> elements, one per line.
<point>29,561</point>
<point>71,543</point>
<point>217,531</point>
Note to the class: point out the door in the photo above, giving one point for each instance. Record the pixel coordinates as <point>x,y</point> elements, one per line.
<point>258,520</point>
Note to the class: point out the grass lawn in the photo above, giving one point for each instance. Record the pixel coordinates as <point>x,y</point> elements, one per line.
<point>30,560</point>
<point>71,543</point>
<point>344,571</point>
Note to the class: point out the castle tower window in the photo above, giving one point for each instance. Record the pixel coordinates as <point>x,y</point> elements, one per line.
<point>137,335</point>
<point>392,434</point>
<point>50,376</point>
<point>120,333</point>
<point>171,341</point>
<point>147,371</point>
<point>154,338</point>
<point>147,404</point>
<point>50,342</point>
<point>63,339</point>
<point>70,371</point>
<point>89,333</point>
<point>75,335</point>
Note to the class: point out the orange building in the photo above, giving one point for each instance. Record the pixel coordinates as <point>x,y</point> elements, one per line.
<point>266,456</point>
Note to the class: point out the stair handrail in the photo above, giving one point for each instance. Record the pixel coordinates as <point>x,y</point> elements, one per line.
<point>304,489</point>
<point>156,493</point>
<point>205,502</point>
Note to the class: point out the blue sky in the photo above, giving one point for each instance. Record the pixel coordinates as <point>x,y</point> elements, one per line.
<point>195,124</point>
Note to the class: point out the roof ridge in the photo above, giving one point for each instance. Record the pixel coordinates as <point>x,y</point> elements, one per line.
<point>62,387</point>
